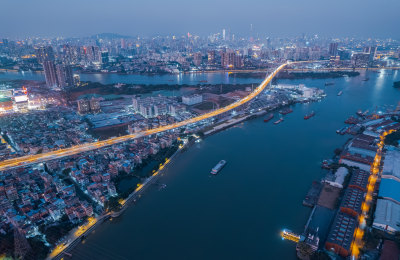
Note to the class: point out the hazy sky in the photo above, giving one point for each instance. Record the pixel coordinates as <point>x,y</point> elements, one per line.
<point>366,18</point>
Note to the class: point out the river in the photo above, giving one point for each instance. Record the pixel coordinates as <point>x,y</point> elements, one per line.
<point>239,213</point>
<point>113,78</point>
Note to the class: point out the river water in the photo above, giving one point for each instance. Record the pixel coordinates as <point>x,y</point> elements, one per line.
<point>239,213</point>
<point>112,78</point>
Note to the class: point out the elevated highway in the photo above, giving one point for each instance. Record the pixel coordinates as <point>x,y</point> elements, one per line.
<point>38,158</point>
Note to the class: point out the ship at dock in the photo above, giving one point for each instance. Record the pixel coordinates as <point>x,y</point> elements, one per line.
<point>278,121</point>
<point>270,116</point>
<point>308,116</point>
<point>340,93</point>
<point>286,111</point>
<point>329,83</point>
<point>218,167</point>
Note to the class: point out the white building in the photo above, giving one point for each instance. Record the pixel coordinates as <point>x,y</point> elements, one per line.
<point>192,100</point>
<point>391,165</point>
<point>340,176</point>
<point>387,216</point>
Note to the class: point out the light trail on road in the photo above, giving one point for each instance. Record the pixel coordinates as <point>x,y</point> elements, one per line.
<point>38,158</point>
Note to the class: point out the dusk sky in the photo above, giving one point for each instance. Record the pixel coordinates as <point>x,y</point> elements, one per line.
<point>359,18</point>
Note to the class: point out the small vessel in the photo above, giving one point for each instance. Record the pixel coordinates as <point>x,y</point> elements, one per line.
<point>309,115</point>
<point>366,79</point>
<point>290,235</point>
<point>326,164</point>
<point>277,122</point>
<point>270,116</point>
<point>286,111</point>
<point>340,93</point>
<point>218,167</point>
<point>329,83</point>
<point>342,130</point>
<point>352,120</point>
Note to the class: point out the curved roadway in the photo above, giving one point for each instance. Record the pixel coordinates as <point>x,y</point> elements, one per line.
<point>38,158</point>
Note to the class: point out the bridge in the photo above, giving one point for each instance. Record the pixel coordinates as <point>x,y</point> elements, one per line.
<point>38,158</point>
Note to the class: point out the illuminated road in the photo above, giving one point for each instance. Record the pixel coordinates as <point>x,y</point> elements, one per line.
<point>38,158</point>
<point>358,242</point>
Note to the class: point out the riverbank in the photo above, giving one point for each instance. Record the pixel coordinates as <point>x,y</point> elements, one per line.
<point>76,235</point>
<point>347,191</point>
<point>264,162</point>
<point>287,74</point>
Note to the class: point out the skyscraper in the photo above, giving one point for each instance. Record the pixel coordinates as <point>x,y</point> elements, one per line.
<point>197,59</point>
<point>104,57</point>
<point>372,52</point>
<point>44,54</point>
<point>229,59</point>
<point>64,76</point>
<point>50,73</point>
<point>123,43</point>
<point>223,34</point>
<point>211,57</point>
<point>333,47</point>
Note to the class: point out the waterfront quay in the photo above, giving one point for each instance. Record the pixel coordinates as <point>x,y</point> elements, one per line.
<point>348,214</point>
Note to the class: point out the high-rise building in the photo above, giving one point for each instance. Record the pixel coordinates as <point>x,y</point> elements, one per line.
<point>223,34</point>
<point>50,73</point>
<point>104,57</point>
<point>333,47</point>
<point>83,106</point>
<point>211,57</point>
<point>123,43</point>
<point>88,105</point>
<point>94,105</point>
<point>197,59</point>
<point>360,59</point>
<point>372,52</point>
<point>64,76</point>
<point>93,54</point>
<point>229,59</point>
<point>45,54</point>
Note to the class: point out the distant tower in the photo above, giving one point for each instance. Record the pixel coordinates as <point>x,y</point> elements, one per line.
<point>123,43</point>
<point>333,48</point>
<point>223,34</point>
<point>251,33</point>
<point>372,52</point>
<point>21,245</point>
<point>44,54</point>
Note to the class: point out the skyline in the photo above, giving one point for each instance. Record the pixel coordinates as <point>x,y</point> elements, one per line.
<point>45,18</point>
<point>199,129</point>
